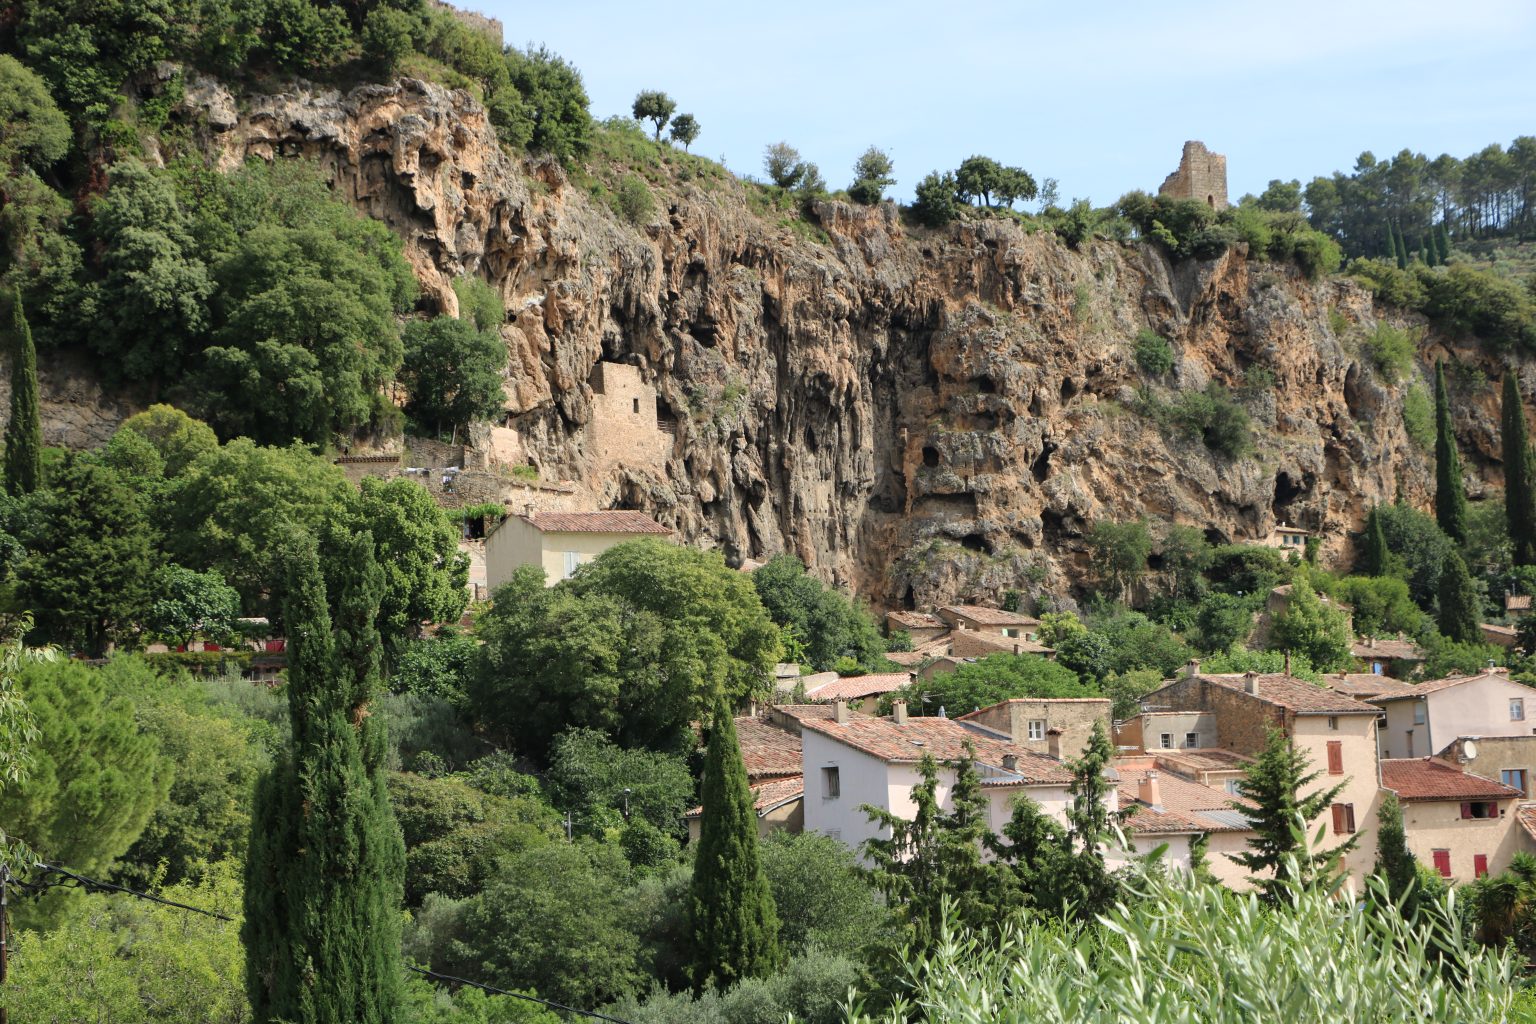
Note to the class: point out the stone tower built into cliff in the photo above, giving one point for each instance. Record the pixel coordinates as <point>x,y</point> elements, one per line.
<point>1201,175</point>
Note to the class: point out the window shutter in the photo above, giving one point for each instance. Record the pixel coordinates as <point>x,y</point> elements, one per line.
<point>1443,863</point>
<point>1338,818</point>
<point>1349,818</point>
<point>1479,865</point>
<point>1466,808</point>
<point>1335,757</point>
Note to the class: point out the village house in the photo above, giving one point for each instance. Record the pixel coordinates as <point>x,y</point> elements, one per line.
<point>1363,685</point>
<point>1220,770</point>
<point>770,751</point>
<point>1028,722</point>
<point>990,620</point>
<point>1167,730</point>
<point>1502,636</point>
<point>1385,656</point>
<point>1288,538</point>
<point>1516,605</point>
<point>560,542</point>
<point>851,760</point>
<point>858,689</point>
<point>1509,760</point>
<point>920,626</point>
<point>1424,719</point>
<point>1174,812</point>
<point>1458,823</point>
<point>1337,734</point>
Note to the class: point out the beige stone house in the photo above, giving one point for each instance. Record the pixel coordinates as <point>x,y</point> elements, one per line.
<point>1510,760</point>
<point>990,620</point>
<point>1336,732</point>
<point>770,750</point>
<point>1385,655</point>
<point>560,542</point>
<point>920,626</point>
<point>1288,538</point>
<point>1424,719</point>
<point>1168,810</point>
<point>1462,825</point>
<point>1028,723</point>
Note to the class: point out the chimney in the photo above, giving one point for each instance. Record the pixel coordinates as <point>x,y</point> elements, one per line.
<point>840,712</point>
<point>528,510</point>
<point>1193,668</point>
<point>899,711</point>
<point>1370,641</point>
<point>1010,762</point>
<point>1053,742</point>
<point>1149,792</point>
<point>1251,683</point>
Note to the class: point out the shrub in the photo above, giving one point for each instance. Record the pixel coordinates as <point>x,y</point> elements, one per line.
<point>632,199</point>
<point>936,203</point>
<point>1153,353</point>
<point>1419,417</point>
<point>1392,350</point>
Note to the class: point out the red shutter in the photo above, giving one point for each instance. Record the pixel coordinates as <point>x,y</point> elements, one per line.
<point>1335,757</point>
<point>1338,819</point>
<point>1443,863</point>
<point>1479,865</point>
<point>1466,808</point>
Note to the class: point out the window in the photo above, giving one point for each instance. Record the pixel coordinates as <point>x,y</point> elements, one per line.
<point>1514,778</point>
<point>1037,728</point>
<point>572,560</point>
<point>831,784</point>
<point>1418,713</point>
<point>1479,865</point>
<point>1166,741</point>
<point>1010,632</point>
<point>1333,722</point>
<point>1442,860</point>
<point>637,406</point>
<point>1335,757</point>
<point>1231,787</point>
<point>1343,819</point>
<point>1479,809</point>
<point>1191,739</point>
<point>1517,709</point>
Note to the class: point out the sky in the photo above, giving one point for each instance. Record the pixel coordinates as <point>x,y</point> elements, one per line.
<point>1099,95</point>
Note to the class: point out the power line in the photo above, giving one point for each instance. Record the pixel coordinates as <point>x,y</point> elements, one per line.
<point>93,885</point>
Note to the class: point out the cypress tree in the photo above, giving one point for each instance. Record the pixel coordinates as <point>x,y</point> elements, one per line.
<point>1395,863</point>
<point>1519,514</point>
<point>1450,498</point>
<point>732,920</point>
<point>324,878</point>
<point>1458,601</point>
<point>1398,248</point>
<point>24,432</point>
<point>1442,243</point>
<point>1377,554</point>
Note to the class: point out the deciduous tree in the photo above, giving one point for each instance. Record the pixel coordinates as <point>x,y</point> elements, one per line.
<point>685,128</point>
<point>871,177</point>
<point>654,106</point>
<point>452,372</point>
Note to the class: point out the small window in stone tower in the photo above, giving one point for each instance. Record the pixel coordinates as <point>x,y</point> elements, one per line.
<point>637,406</point>
<point>1210,201</point>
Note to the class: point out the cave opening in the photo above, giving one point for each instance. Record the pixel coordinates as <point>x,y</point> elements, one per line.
<point>1068,389</point>
<point>930,456</point>
<point>1287,490</point>
<point>974,542</point>
<point>1041,467</point>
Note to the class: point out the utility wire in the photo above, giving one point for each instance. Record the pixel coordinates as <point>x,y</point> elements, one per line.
<point>92,885</point>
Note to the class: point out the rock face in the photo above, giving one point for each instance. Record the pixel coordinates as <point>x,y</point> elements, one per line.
<point>919,415</point>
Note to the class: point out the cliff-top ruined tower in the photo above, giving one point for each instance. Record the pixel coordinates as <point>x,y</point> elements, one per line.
<point>1201,175</point>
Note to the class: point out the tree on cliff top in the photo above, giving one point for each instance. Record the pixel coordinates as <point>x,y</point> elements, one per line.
<point>654,106</point>
<point>685,128</point>
<point>871,177</point>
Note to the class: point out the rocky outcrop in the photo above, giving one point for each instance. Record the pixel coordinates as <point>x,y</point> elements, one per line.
<point>920,415</point>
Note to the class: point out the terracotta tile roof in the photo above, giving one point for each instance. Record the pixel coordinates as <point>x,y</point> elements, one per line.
<point>1390,648</point>
<point>1201,759</point>
<point>990,616</point>
<point>767,795</point>
<point>1526,813</point>
<point>612,521</point>
<point>1517,602</point>
<point>1436,685</point>
<point>1187,806</point>
<point>968,643</point>
<point>854,687</point>
<point>916,620</point>
<point>945,740</point>
<point>1295,695</point>
<point>800,712</point>
<point>1034,701</point>
<point>1362,685</point>
<point>1424,778</point>
<point>907,659</point>
<point>1495,632</point>
<point>767,750</point>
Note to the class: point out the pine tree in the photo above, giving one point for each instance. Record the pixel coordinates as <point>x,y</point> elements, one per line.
<point>1395,863</point>
<point>24,432</point>
<point>1450,497</point>
<point>1458,601</point>
<point>733,923</point>
<point>1519,512</point>
<point>1281,816</point>
<point>324,879</point>
<point>1377,555</point>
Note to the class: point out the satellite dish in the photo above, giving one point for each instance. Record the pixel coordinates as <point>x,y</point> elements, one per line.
<point>1469,750</point>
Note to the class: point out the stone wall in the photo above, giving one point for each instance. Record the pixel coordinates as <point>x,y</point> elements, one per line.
<point>1242,722</point>
<point>1201,175</point>
<point>1073,716</point>
<point>76,410</point>
<point>623,430</point>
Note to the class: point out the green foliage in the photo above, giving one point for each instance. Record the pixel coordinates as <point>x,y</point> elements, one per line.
<point>997,677</point>
<point>1186,228</point>
<point>1519,474</point>
<point>822,896</point>
<point>828,624</point>
<point>1224,620</point>
<point>1187,952</point>
<point>1503,906</point>
<point>186,604</point>
<point>1310,627</point>
<point>685,129</point>
<point>1247,569</point>
<point>654,106</point>
<point>871,177</point>
<point>387,38</point>
<point>23,466</point>
<point>452,371</point>
<point>178,439</point>
<point>1392,350</point>
<point>1211,415</point>
<point>324,877</point>
<point>1153,353</point>
<point>811,987</point>
<point>1382,605</point>
<point>1459,603</point>
<point>1118,553</point>
<point>732,920</point>
<point>632,199</point>
<point>434,666</point>
<point>1450,493</point>
<point>34,134</point>
<point>424,572</point>
<point>1418,421</point>
<point>1241,659</point>
<point>782,164</point>
<point>638,644</point>
<point>1395,863</point>
<point>86,572</point>
<point>601,784</point>
<point>1414,538</point>
<point>1278,853</point>
<point>981,177</point>
<point>93,780</point>
<point>935,203</point>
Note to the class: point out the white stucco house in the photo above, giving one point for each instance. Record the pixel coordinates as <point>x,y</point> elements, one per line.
<point>1423,720</point>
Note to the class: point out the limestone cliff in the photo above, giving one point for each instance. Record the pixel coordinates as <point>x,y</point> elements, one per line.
<point>919,415</point>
